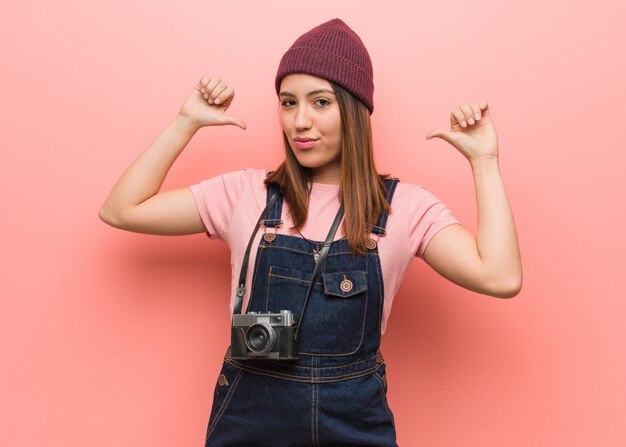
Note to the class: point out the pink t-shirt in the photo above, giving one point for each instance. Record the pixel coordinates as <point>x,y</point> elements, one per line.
<point>230,205</point>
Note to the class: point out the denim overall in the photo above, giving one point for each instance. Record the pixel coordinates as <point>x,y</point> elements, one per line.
<point>335,393</point>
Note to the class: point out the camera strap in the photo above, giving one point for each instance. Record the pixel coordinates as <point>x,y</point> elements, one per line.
<point>320,261</point>
<point>241,289</point>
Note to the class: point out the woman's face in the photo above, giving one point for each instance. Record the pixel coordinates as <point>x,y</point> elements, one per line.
<point>309,115</point>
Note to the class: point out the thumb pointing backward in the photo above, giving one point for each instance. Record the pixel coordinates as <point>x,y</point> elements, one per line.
<point>235,121</point>
<point>443,134</point>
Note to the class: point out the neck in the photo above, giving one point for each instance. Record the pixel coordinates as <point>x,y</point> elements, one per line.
<point>330,175</point>
<point>329,180</point>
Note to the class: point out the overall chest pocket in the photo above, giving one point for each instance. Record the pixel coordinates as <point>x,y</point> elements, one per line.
<point>334,321</point>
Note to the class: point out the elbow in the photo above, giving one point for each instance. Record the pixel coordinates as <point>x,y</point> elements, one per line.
<point>108,217</point>
<point>508,288</point>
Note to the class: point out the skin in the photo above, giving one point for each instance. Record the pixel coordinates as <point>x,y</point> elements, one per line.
<point>308,108</point>
<point>488,262</point>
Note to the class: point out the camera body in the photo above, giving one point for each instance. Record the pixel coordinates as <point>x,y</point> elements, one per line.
<point>256,335</point>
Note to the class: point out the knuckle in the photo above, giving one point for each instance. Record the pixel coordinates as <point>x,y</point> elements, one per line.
<point>217,91</point>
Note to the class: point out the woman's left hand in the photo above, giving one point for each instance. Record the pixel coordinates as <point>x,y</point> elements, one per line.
<point>477,138</point>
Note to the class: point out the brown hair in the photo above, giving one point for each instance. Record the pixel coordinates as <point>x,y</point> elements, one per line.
<point>362,189</point>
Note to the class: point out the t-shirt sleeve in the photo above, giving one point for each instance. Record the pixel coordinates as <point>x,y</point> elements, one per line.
<point>216,199</point>
<point>430,216</point>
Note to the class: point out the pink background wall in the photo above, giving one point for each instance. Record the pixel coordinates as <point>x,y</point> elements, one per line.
<point>111,338</point>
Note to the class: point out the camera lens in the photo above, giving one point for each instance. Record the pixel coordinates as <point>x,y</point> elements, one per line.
<point>260,338</point>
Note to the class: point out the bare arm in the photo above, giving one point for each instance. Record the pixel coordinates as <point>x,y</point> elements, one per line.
<point>135,203</point>
<point>490,262</point>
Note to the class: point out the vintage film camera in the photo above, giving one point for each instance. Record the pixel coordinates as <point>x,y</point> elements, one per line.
<point>257,335</point>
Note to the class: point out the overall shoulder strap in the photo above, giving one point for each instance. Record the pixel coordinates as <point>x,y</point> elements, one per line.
<point>379,228</point>
<point>241,288</point>
<point>272,217</point>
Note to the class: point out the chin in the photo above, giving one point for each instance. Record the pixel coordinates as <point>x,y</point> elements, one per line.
<point>302,161</point>
<point>310,164</point>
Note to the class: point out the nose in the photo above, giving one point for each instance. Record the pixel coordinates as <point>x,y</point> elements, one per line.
<point>302,119</point>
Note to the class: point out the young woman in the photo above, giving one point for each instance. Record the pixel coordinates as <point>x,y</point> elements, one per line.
<point>334,391</point>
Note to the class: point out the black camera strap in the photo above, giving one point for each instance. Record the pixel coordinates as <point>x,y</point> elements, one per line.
<point>241,289</point>
<point>320,261</point>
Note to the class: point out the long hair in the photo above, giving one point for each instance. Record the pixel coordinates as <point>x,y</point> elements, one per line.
<point>362,190</point>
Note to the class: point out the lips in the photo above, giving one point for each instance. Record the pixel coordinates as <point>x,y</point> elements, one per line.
<point>304,142</point>
<point>303,139</point>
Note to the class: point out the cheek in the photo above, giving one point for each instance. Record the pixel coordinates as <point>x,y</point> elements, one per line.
<point>337,132</point>
<point>333,125</point>
<point>282,120</point>
<point>337,122</point>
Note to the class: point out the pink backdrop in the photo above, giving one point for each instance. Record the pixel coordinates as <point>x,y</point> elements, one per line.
<point>111,338</point>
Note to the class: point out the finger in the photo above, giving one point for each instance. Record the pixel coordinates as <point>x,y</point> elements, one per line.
<point>450,137</point>
<point>483,105</point>
<point>204,80</point>
<point>467,113</point>
<point>209,87</point>
<point>219,88</point>
<point>227,93</point>
<point>437,133</point>
<point>211,84</point>
<point>459,118</point>
<point>221,93</point>
<point>235,121</point>
<point>475,110</point>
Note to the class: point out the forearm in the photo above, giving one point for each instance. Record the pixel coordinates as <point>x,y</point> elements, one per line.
<point>496,238</point>
<point>144,177</point>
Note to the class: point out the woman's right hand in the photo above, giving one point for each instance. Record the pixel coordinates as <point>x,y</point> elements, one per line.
<point>207,103</point>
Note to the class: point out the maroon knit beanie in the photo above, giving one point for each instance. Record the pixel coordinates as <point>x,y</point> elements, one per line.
<point>334,52</point>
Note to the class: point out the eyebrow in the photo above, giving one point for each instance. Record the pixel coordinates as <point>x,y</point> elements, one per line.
<point>314,92</point>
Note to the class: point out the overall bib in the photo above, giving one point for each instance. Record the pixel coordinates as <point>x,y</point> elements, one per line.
<point>335,393</point>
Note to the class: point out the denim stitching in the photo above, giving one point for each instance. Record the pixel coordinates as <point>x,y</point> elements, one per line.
<point>254,275</point>
<point>384,396</point>
<point>267,294</point>
<point>316,375</point>
<point>362,323</point>
<point>328,290</point>
<point>360,341</point>
<point>276,362</point>
<point>295,279</point>
<point>381,293</point>
<point>222,408</point>
<point>312,405</point>
<point>275,213</point>
<point>362,335</point>
<point>295,378</point>
<point>287,248</point>
<point>317,411</point>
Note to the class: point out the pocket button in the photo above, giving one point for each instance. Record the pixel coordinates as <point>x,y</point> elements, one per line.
<point>221,380</point>
<point>346,285</point>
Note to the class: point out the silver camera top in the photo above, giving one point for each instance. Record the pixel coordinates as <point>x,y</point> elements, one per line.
<point>283,318</point>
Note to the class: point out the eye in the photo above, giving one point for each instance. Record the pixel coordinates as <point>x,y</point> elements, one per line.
<point>287,102</point>
<point>322,101</point>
